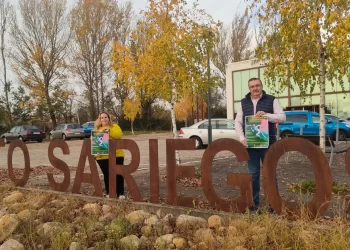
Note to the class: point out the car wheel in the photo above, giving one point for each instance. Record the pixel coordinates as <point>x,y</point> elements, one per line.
<point>51,137</point>
<point>199,143</point>
<point>342,135</point>
<point>40,141</point>
<point>285,134</point>
<point>64,137</point>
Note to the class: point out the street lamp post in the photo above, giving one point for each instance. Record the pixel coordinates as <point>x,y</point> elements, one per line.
<point>209,99</point>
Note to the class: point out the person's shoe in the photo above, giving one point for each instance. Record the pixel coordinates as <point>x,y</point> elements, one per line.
<point>271,210</point>
<point>121,197</point>
<point>254,210</point>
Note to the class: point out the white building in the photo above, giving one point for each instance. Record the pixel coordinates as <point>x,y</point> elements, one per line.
<point>238,74</point>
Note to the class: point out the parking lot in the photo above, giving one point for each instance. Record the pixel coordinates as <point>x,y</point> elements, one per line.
<point>38,152</point>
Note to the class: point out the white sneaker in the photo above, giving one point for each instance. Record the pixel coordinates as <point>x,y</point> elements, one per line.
<point>106,196</point>
<point>121,197</point>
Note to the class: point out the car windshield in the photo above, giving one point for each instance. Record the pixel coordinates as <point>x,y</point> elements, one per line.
<point>73,126</point>
<point>332,117</point>
<point>30,127</point>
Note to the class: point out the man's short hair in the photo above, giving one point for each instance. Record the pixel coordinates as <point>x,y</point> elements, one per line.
<point>253,79</point>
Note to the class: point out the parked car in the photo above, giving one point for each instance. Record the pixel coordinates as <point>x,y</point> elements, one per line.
<point>88,127</point>
<point>310,123</point>
<point>221,128</point>
<point>67,131</point>
<point>336,118</point>
<point>24,133</point>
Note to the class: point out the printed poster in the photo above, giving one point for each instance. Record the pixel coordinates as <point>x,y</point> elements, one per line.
<point>257,131</point>
<point>99,142</point>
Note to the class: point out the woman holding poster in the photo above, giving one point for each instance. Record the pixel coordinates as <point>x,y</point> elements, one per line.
<point>103,130</point>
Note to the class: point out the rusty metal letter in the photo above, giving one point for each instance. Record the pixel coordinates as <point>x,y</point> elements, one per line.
<point>243,181</point>
<point>319,162</point>
<point>59,164</point>
<point>153,171</point>
<point>80,176</point>
<point>347,160</point>
<point>125,170</point>
<point>23,181</point>
<point>174,171</point>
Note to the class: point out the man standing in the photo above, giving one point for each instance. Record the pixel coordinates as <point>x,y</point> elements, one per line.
<point>258,103</point>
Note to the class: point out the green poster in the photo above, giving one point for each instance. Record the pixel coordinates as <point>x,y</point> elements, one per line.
<point>99,142</point>
<point>257,131</point>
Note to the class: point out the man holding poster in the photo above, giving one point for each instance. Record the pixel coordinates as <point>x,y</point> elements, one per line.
<point>255,125</point>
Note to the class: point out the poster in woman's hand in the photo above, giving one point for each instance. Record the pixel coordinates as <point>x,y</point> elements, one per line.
<point>99,142</point>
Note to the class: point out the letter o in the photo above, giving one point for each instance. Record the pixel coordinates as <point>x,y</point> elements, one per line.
<point>20,144</point>
<point>323,193</point>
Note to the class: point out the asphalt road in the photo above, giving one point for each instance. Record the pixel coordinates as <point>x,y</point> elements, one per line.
<point>38,152</point>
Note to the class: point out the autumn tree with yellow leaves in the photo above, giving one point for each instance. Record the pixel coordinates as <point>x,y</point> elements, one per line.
<point>183,109</point>
<point>40,42</point>
<point>169,56</point>
<point>306,43</point>
<point>131,108</point>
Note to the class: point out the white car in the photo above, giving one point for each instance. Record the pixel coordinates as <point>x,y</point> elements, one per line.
<point>221,128</point>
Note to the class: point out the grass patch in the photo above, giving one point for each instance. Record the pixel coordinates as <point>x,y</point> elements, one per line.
<point>309,187</point>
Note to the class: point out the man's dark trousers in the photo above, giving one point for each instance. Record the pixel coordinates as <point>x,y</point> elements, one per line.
<point>256,155</point>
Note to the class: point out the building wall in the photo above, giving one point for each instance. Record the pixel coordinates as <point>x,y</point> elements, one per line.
<point>238,74</point>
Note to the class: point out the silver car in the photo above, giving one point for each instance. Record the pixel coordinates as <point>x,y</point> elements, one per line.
<point>221,128</point>
<point>336,118</point>
<point>67,131</point>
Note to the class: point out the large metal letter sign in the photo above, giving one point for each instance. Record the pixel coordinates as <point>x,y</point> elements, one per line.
<point>322,173</point>
<point>244,181</point>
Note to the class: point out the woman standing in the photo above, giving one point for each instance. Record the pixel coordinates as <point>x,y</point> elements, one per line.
<point>104,123</point>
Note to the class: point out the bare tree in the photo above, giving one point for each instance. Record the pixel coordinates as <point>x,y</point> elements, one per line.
<point>241,38</point>
<point>223,51</point>
<point>95,24</point>
<point>234,44</point>
<point>40,48</point>
<point>6,18</point>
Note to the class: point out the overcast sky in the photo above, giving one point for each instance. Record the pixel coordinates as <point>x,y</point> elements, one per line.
<point>220,10</point>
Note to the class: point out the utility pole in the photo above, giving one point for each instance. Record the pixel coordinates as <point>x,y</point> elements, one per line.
<point>209,96</point>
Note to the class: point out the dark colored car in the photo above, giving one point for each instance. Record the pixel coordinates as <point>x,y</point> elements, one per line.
<point>88,127</point>
<point>24,133</point>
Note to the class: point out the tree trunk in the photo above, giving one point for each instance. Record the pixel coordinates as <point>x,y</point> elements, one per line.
<point>6,84</point>
<point>322,95</point>
<point>102,87</point>
<point>132,127</point>
<point>49,105</point>
<point>173,120</point>
<point>92,103</point>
